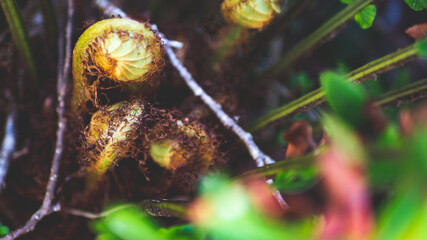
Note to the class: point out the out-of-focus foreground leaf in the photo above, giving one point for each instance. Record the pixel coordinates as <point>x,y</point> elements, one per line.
<point>346,100</point>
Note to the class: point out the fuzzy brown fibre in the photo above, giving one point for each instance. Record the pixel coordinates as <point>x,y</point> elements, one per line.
<point>112,133</point>
<point>198,149</point>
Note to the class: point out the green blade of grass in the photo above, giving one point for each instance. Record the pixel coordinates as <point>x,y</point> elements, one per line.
<point>324,33</point>
<point>20,37</point>
<point>316,97</point>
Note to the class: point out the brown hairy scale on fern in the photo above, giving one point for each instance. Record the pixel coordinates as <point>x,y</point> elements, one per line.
<point>181,143</point>
<point>193,149</point>
<point>111,135</point>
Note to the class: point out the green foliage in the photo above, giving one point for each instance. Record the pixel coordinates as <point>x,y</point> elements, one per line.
<point>421,48</point>
<point>182,232</point>
<point>416,5</point>
<point>4,230</point>
<point>416,152</point>
<point>230,215</point>
<point>233,215</point>
<point>343,136</point>
<point>346,100</point>
<point>229,212</point>
<point>400,214</point>
<point>366,17</point>
<point>127,224</point>
<point>390,137</point>
<point>130,223</point>
<point>405,214</point>
<point>296,179</point>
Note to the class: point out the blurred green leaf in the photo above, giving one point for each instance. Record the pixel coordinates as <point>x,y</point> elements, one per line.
<point>417,154</point>
<point>384,169</point>
<point>296,180</point>
<point>416,5</point>
<point>382,173</point>
<point>233,217</point>
<point>127,224</point>
<point>421,47</point>
<point>366,17</point>
<point>346,99</point>
<point>4,230</point>
<point>182,232</point>
<point>390,137</point>
<point>212,183</point>
<point>344,137</point>
<point>347,1</point>
<point>400,215</point>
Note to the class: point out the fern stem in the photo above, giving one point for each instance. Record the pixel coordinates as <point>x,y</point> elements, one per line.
<point>322,34</point>
<point>316,97</point>
<point>408,93</point>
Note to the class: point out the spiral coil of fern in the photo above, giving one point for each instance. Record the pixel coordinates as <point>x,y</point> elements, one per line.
<point>253,14</point>
<point>122,51</point>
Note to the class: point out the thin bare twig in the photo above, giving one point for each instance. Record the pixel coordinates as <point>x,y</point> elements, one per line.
<point>92,215</point>
<point>8,146</point>
<point>261,159</point>
<point>63,73</point>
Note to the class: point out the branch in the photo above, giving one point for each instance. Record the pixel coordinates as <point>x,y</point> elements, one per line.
<point>8,146</point>
<point>92,215</point>
<point>261,159</point>
<point>154,208</point>
<point>63,73</point>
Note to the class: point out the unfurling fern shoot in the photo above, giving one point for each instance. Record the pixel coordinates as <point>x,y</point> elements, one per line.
<point>254,14</point>
<point>121,51</point>
<point>111,135</point>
